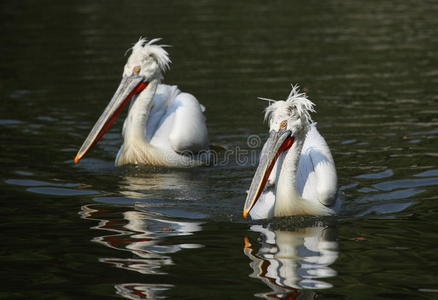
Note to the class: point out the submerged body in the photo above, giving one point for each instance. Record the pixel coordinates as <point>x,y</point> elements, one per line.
<point>296,174</point>
<point>164,126</point>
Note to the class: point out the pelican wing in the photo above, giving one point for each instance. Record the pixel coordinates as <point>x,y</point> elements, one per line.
<point>189,132</point>
<point>316,176</point>
<point>177,121</point>
<point>159,116</point>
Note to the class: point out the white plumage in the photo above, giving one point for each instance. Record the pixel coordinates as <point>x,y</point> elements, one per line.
<point>303,178</point>
<point>175,131</point>
<point>164,126</point>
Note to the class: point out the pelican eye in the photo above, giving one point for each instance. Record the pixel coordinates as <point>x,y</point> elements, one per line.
<point>283,124</point>
<point>136,70</point>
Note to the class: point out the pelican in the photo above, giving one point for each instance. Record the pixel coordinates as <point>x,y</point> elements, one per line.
<point>164,126</point>
<point>296,174</point>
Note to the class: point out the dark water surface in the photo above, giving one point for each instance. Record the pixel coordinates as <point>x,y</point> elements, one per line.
<point>93,231</point>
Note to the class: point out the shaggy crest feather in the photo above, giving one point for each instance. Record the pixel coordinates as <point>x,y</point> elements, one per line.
<point>295,106</point>
<point>145,47</point>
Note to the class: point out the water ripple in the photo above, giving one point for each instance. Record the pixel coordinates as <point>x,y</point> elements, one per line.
<point>405,183</point>
<point>52,188</point>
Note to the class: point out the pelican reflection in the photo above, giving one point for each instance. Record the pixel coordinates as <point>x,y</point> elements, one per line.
<point>293,263</point>
<point>147,236</point>
<point>137,291</point>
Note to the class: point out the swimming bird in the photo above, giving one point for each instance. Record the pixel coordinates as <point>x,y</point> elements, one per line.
<point>164,126</point>
<point>296,174</point>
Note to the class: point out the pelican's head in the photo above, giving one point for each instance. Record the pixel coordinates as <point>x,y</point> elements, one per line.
<point>291,115</point>
<point>147,59</point>
<point>289,121</point>
<point>146,63</point>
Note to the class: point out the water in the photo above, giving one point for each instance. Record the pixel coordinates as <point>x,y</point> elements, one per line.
<point>95,231</point>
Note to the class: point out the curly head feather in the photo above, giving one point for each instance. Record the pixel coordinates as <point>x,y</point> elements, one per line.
<point>296,106</point>
<point>144,47</point>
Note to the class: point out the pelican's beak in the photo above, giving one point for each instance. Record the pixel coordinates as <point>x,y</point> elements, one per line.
<point>277,143</point>
<point>129,87</point>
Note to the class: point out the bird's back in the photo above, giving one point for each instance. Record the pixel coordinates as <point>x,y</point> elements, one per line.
<point>177,121</point>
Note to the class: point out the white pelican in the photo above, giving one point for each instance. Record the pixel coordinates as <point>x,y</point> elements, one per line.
<point>295,162</point>
<point>164,126</point>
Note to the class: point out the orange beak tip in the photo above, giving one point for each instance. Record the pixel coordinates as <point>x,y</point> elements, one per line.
<point>246,243</point>
<point>77,159</point>
<point>245,214</point>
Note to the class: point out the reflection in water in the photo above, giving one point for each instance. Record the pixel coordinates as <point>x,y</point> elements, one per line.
<point>153,184</point>
<point>159,188</point>
<point>145,235</point>
<point>141,291</point>
<point>293,262</point>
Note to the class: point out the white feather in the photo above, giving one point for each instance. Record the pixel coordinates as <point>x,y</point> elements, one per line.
<point>143,47</point>
<point>175,116</point>
<point>297,106</point>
